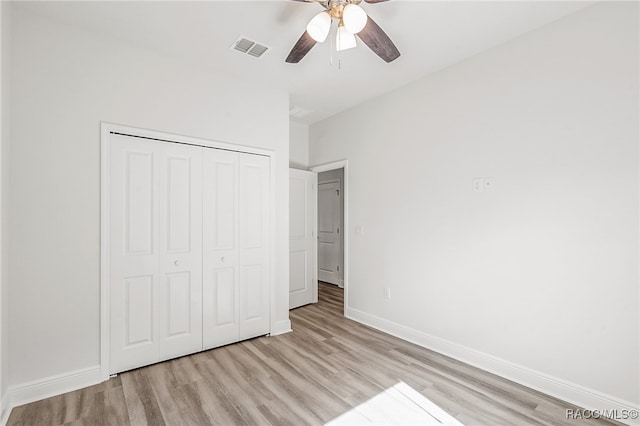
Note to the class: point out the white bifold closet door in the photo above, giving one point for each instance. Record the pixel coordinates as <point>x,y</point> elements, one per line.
<point>156,251</point>
<point>236,247</point>
<point>178,214</point>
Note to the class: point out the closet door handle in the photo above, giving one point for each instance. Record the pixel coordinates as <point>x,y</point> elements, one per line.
<point>222,259</point>
<point>177,263</point>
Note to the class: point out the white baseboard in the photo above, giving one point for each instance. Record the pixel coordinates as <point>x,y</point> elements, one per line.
<point>5,408</point>
<point>570,392</point>
<point>281,327</point>
<point>54,385</point>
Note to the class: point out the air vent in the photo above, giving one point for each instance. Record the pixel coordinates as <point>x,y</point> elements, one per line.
<point>243,45</point>
<point>249,47</point>
<point>258,50</point>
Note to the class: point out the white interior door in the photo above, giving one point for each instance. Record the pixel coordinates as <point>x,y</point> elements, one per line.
<point>302,238</point>
<point>155,253</point>
<point>329,228</point>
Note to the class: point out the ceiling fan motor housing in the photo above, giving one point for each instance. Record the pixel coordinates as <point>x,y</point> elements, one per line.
<point>336,7</point>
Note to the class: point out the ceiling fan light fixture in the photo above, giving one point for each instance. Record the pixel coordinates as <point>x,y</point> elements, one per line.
<point>318,28</point>
<point>354,17</point>
<point>344,39</point>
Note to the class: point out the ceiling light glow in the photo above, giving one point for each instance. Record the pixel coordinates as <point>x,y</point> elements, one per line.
<point>345,39</point>
<point>355,18</point>
<point>318,28</point>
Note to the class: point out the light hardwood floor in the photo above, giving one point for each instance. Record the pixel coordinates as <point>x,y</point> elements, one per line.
<point>324,368</point>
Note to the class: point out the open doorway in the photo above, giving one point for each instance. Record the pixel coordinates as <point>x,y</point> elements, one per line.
<point>333,226</point>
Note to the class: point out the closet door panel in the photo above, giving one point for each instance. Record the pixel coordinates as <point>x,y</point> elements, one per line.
<point>156,251</point>
<point>224,293</point>
<point>220,245</point>
<point>179,310</point>
<point>139,310</point>
<point>253,291</point>
<point>133,253</point>
<point>139,192</point>
<point>254,179</point>
<point>180,218</point>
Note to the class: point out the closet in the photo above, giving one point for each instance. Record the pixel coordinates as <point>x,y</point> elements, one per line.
<point>189,249</point>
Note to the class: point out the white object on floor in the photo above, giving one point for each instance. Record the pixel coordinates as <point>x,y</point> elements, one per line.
<point>398,405</point>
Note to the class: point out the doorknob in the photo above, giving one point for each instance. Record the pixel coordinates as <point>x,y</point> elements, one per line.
<point>222,259</point>
<point>177,263</point>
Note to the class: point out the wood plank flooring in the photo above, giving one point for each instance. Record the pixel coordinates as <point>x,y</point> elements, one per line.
<point>328,365</point>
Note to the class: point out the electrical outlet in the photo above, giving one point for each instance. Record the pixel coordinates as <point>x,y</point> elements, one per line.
<point>477,184</point>
<point>387,293</point>
<point>359,231</point>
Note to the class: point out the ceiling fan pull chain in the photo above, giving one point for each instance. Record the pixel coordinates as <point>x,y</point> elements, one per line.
<point>332,48</point>
<point>333,51</point>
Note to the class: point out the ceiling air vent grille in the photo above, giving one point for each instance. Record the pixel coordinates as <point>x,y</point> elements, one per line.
<point>249,47</point>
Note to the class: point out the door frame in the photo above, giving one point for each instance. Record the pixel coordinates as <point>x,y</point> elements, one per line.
<point>325,167</point>
<point>105,228</point>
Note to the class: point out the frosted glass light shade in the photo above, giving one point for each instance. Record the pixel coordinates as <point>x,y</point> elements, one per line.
<point>345,39</point>
<point>318,28</point>
<point>354,18</point>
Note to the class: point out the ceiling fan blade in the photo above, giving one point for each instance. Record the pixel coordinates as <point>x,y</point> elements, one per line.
<point>378,41</point>
<point>301,48</point>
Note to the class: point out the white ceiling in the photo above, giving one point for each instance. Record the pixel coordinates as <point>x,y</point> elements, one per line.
<point>431,35</point>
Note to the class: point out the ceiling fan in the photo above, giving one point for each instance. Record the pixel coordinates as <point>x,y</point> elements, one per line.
<point>352,21</point>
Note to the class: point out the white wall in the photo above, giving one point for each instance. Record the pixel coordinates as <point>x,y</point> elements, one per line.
<point>542,272</point>
<point>298,145</point>
<point>5,72</point>
<point>65,82</point>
